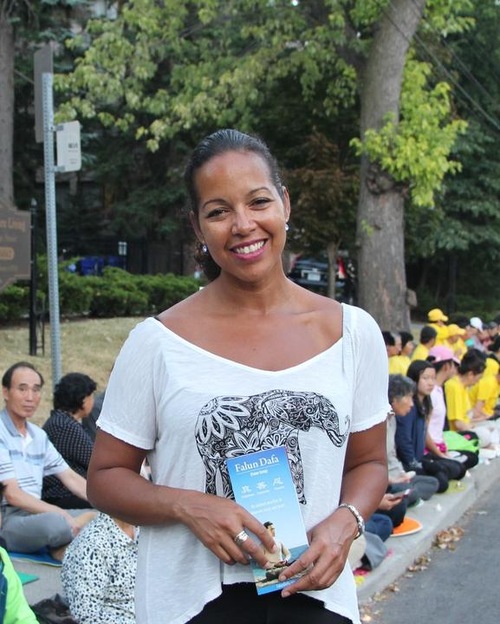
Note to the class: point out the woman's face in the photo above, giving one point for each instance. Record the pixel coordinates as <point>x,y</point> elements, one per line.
<point>241,216</point>
<point>402,405</point>
<point>88,404</point>
<point>426,381</point>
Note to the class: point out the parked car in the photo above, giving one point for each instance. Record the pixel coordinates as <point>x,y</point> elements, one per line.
<point>311,273</point>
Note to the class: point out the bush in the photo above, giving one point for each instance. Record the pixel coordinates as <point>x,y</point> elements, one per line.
<point>75,294</point>
<point>164,291</point>
<point>14,303</point>
<point>111,300</point>
<point>116,293</point>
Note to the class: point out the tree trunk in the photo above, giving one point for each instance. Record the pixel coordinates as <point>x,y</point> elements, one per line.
<point>332,250</point>
<point>380,227</point>
<point>6,109</point>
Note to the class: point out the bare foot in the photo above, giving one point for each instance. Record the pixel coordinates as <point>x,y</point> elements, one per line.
<point>58,553</point>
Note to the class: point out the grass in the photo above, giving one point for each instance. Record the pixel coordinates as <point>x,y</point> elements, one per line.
<point>87,346</point>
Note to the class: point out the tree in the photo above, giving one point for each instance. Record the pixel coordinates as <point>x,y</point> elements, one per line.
<point>407,137</point>
<point>7,50</point>
<point>325,197</point>
<point>457,241</point>
<point>22,25</point>
<point>164,70</point>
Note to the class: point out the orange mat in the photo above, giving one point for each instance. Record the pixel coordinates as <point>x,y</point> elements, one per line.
<point>407,527</point>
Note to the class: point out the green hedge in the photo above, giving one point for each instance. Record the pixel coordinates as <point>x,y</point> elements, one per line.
<point>116,293</point>
<point>14,302</point>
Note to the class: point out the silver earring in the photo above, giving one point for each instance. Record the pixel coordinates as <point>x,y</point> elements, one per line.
<point>287,227</point>
<point>204,249</point>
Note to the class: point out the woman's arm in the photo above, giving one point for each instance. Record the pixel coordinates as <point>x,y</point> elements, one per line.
<point>478,413</point>
<point>363,485</point>
<point>404,439</point>
<point>431,446</point>
<point>115,486</point>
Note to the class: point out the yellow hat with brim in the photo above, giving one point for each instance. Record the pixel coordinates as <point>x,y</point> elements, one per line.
<point>436,315</point>
<point>455,330</point>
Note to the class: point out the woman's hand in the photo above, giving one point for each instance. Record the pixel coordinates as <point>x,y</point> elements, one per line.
<point>363,485</point>
<point>216,521</point>
<point>324,560</point>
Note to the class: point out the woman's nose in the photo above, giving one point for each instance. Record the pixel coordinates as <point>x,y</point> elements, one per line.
<point>242,222</point>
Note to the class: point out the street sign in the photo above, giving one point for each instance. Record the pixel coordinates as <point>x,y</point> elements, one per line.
<point>69,155</point>
<point>43,64</point>
<point>15,245</point>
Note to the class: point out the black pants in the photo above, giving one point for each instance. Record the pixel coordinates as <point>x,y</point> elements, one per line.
<point>240,603</point>
<point>443,469</point>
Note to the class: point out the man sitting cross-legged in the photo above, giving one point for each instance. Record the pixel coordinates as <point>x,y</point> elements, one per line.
<point>26,456</point>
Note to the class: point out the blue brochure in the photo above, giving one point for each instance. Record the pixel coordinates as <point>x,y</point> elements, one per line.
<point>262,483</point>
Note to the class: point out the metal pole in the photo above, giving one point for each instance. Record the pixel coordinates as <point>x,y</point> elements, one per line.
<point>51,223</point>
<point>34,277</point>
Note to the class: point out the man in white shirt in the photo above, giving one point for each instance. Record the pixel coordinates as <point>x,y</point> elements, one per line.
<point>26,456</point>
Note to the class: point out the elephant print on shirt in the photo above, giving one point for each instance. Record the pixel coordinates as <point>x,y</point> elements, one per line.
<point>231,426</point>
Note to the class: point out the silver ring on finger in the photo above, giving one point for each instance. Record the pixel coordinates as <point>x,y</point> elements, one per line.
<point>241,538</point>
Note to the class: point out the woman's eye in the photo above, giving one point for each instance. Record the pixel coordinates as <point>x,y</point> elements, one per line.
<point>261,202</point>
<point>215,212</point>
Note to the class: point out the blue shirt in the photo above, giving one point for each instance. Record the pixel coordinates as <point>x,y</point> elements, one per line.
<point>410,437</point>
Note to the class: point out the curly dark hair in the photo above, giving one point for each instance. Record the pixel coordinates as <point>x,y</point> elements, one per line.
<point>71,391</point>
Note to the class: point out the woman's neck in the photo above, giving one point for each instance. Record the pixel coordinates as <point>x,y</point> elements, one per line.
<point>77,416</point>
<point>262,298</point>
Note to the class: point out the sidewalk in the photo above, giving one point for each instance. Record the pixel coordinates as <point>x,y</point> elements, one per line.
<point>48,583</point>
<point>436,514</point>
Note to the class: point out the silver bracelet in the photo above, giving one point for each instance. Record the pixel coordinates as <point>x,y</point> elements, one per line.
<point>359,518</point>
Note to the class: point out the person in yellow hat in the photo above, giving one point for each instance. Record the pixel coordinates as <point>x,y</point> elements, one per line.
<point>456,341</point>
<point>438,319</point>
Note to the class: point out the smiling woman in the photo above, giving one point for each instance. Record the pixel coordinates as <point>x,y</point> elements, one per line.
<point>241,216</point>
<point>250,362</point>
<point>216,208</point>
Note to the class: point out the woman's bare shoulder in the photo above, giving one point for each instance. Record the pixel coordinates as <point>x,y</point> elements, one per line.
<point>321,315</point>
<point>312,302</point>
<point>193,304</point>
